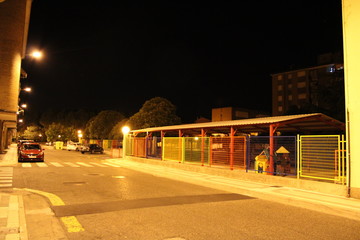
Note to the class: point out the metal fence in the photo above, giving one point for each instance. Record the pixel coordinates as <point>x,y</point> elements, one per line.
<point>153,147</point>
<point>312,157</point>
<point>196,150</point>
<point>227,151</point>
<point>322,157</point>
<point>172,149</point>
<point>284,154</point>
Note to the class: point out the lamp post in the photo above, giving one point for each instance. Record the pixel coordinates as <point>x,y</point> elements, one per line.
<point>80,135</point>
<point>125,130</point>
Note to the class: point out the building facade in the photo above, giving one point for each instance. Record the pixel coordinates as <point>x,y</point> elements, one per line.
<point>313,89</point>
<point>14,23</point>
<point>232,113</point>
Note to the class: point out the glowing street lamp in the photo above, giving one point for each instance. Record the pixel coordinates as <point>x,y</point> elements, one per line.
<point>24,105</point>
<point>80,135</point>
<point>27,89</point>
<point>35,54</point>
<point>125,130</point>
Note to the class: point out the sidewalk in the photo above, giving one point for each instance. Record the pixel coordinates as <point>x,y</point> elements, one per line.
<point>12,212</point>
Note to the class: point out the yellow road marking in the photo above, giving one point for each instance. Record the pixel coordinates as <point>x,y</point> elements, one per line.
<point>54,199</point>
<point>71,223</point>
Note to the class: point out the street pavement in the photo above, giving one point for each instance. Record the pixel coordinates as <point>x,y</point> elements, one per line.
<point>16,217</point>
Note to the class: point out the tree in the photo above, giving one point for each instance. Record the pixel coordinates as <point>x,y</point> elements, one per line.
<point>116,131</point>
<point>155,112</point>
<point>100,126</point>
<point>59,132</point>
<point>33,132</point>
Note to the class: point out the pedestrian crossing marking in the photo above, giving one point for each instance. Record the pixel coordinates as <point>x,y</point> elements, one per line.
<point>6,177</point>
<point>84,164</point>
<point>6,181</point>
<point>97,164</point>
<point>42,164</point>
<point>56,164</point>
<point>112,165</point>
<point>71,164</point>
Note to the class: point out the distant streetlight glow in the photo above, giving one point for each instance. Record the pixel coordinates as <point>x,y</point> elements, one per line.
<point>27,89</point>
<point>24,105</point>
<point>80,135</point>
<point>36,54</point>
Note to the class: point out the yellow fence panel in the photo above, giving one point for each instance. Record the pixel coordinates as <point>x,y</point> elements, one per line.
<point>173,148</point>
<point>322,157</point>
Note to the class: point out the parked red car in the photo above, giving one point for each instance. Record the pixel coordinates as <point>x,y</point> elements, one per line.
<point>31,152</point>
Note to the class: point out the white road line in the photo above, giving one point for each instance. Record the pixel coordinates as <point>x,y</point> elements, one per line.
<point>84,164</point>
<point>5,181</point>
<point>56,164</point>
<point>5,185</point>
<point>42,164</point>
<point>5,177</point>
<point>26,164</point>
<point>98,164</point>
<point>13,214</point>
<point>112,165</point>
<point>71,164</point>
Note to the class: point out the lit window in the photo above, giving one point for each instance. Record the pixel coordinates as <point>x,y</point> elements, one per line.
<point>280,98</point>
<point>280,87</point>
<point>279,77</point>
<point>301,74</point>
<point>289,85</point>
<point>289,76</point>
<point>301,84</point>
<point>280,108</point>
<point>290,97</point>
<point>302,96</point>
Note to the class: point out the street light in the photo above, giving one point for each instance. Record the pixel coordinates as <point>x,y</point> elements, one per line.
<point>36,54</point>
<point>80,135</point>
<point>125,130</point>
<point>27,89</point>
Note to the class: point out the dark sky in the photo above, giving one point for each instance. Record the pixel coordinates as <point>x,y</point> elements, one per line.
<point>197,54</point>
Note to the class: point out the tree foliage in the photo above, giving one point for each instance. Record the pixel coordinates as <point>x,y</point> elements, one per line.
<point>116,131</point>
<point>59,132</point>
<point>155,112</point>
<point>33,132</point>
<point>100,126</point>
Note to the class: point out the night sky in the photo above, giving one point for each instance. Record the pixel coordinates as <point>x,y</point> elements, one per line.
<point>197,54</point>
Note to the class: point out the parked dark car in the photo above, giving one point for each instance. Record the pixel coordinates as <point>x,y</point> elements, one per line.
<point>31,152</point>
<point>91,148</point>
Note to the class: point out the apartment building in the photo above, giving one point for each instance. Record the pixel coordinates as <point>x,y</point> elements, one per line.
<point>313,89</point>
<point>14,24</point>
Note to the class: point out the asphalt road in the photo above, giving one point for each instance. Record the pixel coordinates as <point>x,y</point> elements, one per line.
<point>109,201</point>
